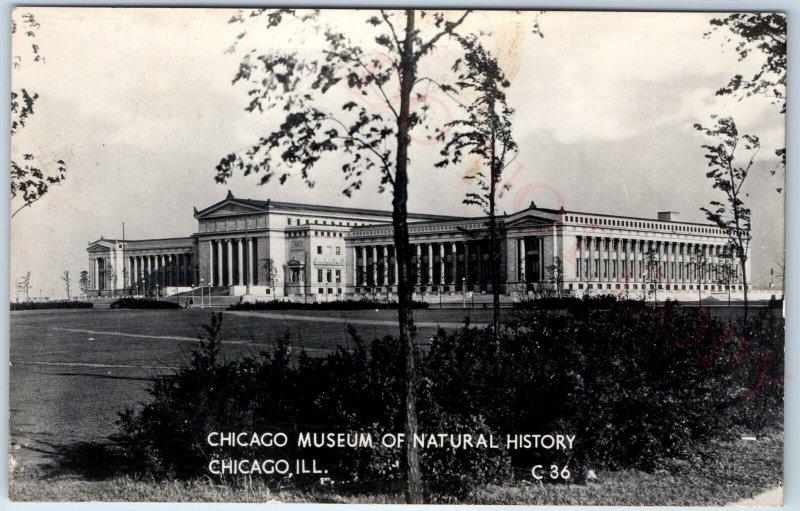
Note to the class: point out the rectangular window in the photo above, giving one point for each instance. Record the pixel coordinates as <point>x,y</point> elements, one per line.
<point>319,275</point>
<point>288,221</point>
<point>338,251</point>
<point>329,276</point>
<point>338,277</point>
<point>319,249</point>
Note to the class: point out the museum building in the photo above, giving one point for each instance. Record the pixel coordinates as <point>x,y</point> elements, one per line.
<point>265,249</point>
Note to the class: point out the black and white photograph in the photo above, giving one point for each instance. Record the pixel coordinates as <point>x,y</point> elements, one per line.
<point>397,256</point>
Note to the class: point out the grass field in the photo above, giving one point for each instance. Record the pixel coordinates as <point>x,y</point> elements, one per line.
<point>72,371</point>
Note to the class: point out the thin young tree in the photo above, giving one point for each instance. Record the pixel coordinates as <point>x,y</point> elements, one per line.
<point>728,172</point>
<point>554,274</point>
<point>83,282</point>
<point>485,132</point>
<point>371,128</point>
<point>698,261</point>
<point>726,270</point>
<point>271,271</point>
<point>67,283</point>
<point>24,285</point>
<point>652,269</point>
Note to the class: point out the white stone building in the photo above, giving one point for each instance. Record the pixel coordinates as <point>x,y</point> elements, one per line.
<point>311,252</point>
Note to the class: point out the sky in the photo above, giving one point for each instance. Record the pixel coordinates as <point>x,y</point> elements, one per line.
<point>140,104</point>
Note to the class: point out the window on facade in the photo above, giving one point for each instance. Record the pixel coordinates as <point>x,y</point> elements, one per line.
<point>319,249</point>
<point>319,275</point>
<point>338,252</point>
<point>288,221</point>
<point>338,276</point>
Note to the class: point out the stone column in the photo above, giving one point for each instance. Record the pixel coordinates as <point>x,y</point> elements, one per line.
<point>220,280</point>
<point>418,263</point>
<point>229,282</point>
<point>375,265</point>
<point>210,263</point>
<point>240,260</point>
<point>466,262</point>
<point>364,266</point>
<point>355,266</point>
<point>521,258</point>
<point>430,263</point>
<point>454,263</point>
<point>249,261</point>
<point>385,254</point>
<point>442,264</point>
<point>635,250</point>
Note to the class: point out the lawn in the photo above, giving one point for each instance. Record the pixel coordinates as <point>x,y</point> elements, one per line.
<point>73,370</point>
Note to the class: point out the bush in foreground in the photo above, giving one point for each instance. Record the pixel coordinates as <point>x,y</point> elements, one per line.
<point>635,385</point>
<point>143,303</point>
<point>54,304</point>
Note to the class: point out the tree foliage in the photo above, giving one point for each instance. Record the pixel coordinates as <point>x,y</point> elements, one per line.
<point>67,280</point>
<point>31,177</point>
<point>84,283</point>
<point>486,133</point>
<point>728,172</point>
<point>757,34</point>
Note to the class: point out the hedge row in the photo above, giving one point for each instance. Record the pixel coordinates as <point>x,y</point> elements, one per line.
<point>143,303</point>
<point>363,303</point>
<point>635,386</point>
<point>55,304</point>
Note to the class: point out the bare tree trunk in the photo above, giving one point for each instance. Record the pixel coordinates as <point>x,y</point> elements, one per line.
<point>493,242</point>
<point>413,490</point>
<point>744,282</point>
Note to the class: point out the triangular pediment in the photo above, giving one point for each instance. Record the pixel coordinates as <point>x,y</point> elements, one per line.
<point>227,208</point>
<point>100,247</point>
<point>529,221</point>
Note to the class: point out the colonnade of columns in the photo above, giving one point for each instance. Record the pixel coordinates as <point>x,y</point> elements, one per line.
<point>232,261</point>
<point>162,270</point>
<point>604,259</point>
<point>436,263</point>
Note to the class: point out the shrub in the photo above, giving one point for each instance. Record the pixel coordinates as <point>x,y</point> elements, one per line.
<point>55,304</point>
<point>633,383</point>
<point>143,303</point>
<point>362,303</point>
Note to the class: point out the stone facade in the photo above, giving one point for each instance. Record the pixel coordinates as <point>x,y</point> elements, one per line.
<point>302,251</point>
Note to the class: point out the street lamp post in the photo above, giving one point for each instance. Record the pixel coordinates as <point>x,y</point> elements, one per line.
<point>201,293</point>
<point>464,291</point>
<point>158,293</point>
